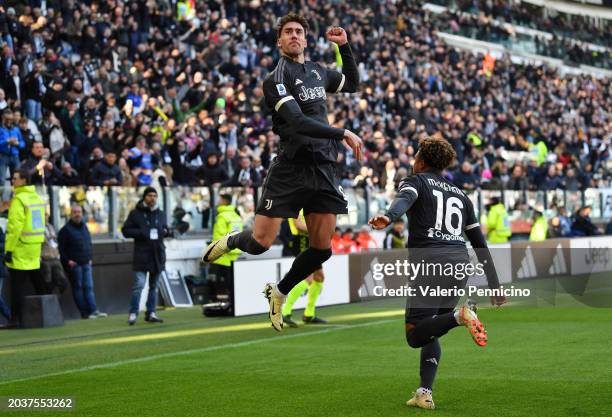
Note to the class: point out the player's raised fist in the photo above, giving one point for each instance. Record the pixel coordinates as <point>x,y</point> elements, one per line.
<point>379,222</point>
<point>337,35</point>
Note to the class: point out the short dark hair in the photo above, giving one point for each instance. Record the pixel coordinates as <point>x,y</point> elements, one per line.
<point>291,17</point>
<point>24,174</point>
<point>437,153</point>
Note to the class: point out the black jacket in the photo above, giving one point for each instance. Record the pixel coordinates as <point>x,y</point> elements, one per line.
<point>74,243</point>
<point>149,255</point>
<point>104,172</point>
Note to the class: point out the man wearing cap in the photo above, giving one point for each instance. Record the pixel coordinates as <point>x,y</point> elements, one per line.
<point>25,233</point>
<point>146,224</point>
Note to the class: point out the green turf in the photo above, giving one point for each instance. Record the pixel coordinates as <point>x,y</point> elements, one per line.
<point>539,362</point>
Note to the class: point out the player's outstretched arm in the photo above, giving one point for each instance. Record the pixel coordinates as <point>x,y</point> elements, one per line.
<point>483,253</point>
<point>407,194</point>
<point>348,81</point>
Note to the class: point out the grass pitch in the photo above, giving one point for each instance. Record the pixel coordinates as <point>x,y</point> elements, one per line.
<point>539,362</point>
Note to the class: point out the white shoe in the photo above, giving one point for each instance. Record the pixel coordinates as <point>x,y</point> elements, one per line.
<point>276,305</point>
<point>421,399</point>
<point>97,315</point>
<point>132,319</point>
<point>216,249</point>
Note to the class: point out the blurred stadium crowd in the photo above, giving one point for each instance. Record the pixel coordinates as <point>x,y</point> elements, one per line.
<point>154,92</point>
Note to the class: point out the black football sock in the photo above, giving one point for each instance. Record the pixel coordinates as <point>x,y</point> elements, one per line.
<point>430,358</point>
<point>303,265</point>
<point>246,243</point>
<point>431,327</point>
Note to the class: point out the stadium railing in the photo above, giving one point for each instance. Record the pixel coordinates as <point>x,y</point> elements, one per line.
<point>106,208</point>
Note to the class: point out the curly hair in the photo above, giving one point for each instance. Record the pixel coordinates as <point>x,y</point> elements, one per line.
<point>437,153</point>
<point>291,17</point>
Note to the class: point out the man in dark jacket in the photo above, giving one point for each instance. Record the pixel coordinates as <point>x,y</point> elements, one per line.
<point>245,175</point>
<point>75,253</point>
<point>34,162</point>
<point>212,172</point>
<point>107,172</point>
<point>582,225</point>
<point>146,224</point>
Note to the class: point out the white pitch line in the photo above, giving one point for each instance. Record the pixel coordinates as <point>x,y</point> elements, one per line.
<point>193,351</point>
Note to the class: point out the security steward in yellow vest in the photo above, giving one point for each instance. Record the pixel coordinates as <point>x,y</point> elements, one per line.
<point>25,234</point>
<point>227,221</point>
<point>498,222</point>
<point>539,229</point>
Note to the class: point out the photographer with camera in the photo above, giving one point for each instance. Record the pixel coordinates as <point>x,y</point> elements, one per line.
<point>146,224</point>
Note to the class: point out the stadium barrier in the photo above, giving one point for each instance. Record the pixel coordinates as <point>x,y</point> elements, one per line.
<point>251,276</point>
<point>349,277</point>
<point>106,208</point>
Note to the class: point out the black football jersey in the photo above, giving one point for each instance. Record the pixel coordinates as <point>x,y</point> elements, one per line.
<point>438,212</point>
<point>308,84</point>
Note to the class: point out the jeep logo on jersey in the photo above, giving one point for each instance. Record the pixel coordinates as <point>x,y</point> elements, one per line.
<point>317,74</point>
<point>312,93</point>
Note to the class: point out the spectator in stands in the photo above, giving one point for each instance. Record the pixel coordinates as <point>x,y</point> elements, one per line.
<point>33,91</point>
<point>68,177</point>
<point>609,228</point>
<point>11,142</point>
<point>157,81</point>
<point>337,243</point>
<point>565,222</point>
<point>75,249</point>
<point>212,173</point>
<point>365,241</point>
<point>582,225</point>
<point>107,172</point>
<point>142,162</point>
<point>518,181</point>
<point>146,224</point>
<point>349,245</point>
<point>245,175</point>
<point>38,163</point>
<point>12,85</point>
<point>464,178</point>
<point>396,237</point>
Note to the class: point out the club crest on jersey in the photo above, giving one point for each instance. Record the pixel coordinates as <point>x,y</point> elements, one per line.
<point>317,74</point>
<point>312,93</point>
<point>281,89</point>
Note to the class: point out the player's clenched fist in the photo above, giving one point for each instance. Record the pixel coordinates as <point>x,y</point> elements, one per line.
<point>337,35</point>
<point>379,222</point>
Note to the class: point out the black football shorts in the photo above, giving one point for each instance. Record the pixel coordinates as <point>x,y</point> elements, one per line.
<point>290,187</point>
